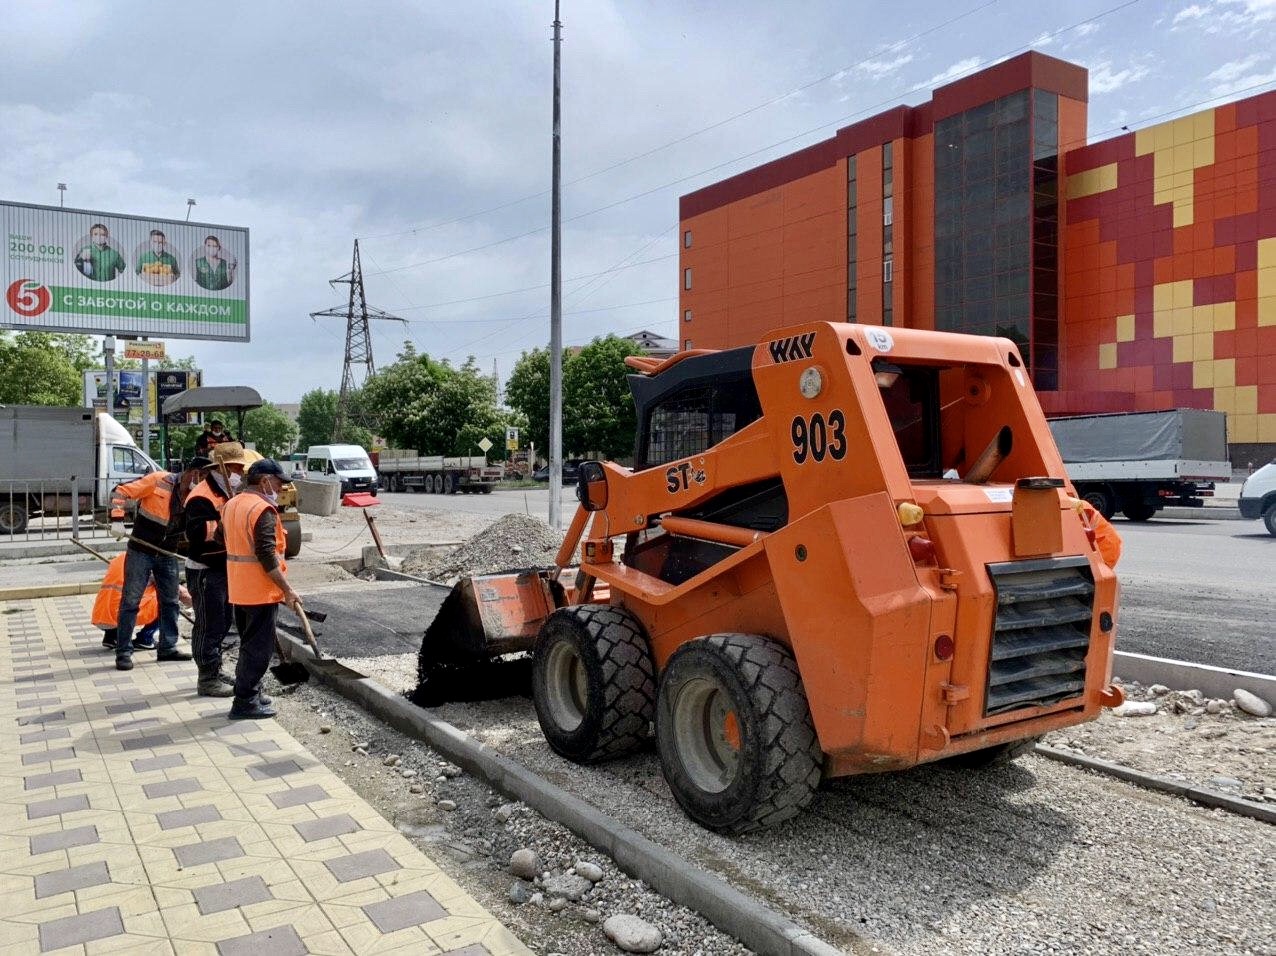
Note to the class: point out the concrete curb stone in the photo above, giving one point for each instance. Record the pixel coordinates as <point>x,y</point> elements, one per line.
<point>748,920</point>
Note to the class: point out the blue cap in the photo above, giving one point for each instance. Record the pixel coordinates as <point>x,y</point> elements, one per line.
<point>267,466</point>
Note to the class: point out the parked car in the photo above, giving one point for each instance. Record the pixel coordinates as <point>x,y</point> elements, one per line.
<point>571,468</point>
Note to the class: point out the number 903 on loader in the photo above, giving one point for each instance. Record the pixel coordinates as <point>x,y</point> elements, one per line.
<point>846,550</point>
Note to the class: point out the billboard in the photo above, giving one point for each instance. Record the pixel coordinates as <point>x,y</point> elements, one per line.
<point>71,270</point>
<point>130,387</point>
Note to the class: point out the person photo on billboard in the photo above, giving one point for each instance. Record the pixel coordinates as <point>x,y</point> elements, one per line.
<point>99,260</point>
<point>214,270</point>
<point>157,265</point>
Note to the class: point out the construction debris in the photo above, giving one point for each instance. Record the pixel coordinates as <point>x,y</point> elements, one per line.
<point>514,541</point>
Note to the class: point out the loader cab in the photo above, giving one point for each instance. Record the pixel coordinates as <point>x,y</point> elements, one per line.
<point>692,406</point>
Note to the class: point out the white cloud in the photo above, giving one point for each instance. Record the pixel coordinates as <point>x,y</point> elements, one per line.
<point>879,68</point>
<point>1230,71</point>
<point>953,72</point>
<point>1085,29</point>
<point>1043,40</point>
<point>1194,12</point>
<point>1103,79</point>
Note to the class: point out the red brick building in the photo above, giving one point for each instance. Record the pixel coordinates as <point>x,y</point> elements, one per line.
<point>1135,273</point>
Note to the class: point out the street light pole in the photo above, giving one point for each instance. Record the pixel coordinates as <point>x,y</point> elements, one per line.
<point>556,304</point>
<point>61,195</point>
<point>190,204</point>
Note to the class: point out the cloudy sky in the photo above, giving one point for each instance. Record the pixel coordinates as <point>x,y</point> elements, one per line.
<point>424,129</point>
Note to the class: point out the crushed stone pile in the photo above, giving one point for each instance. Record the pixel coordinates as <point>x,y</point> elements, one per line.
<point>513,541</point>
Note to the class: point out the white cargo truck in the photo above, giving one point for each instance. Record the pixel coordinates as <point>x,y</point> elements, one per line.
<point>45,452</point>
<point>402,469</point>
<point>1140,462</point>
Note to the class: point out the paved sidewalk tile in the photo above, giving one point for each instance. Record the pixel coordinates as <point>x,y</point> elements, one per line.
<point>141,820</point>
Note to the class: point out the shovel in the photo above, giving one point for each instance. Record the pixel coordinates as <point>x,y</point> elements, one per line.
<point>289,671</point>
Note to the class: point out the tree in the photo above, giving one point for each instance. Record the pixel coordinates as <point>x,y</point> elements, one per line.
<point>315,416</point>
<point>318,413</point>
<point>36,369</point>
<point>527,392</point>
<point>598,408</point>
<point>419,402</point>
<point>269,430</point>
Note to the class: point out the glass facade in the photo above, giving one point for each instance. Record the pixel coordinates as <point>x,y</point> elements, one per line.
<point>997,225</point>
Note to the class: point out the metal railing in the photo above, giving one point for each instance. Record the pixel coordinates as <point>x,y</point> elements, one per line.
<point>33,509</point>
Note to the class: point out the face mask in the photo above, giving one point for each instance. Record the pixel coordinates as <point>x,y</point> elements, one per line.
<point>235,481</point>
<point>273,497</point>
<point>99,240</point>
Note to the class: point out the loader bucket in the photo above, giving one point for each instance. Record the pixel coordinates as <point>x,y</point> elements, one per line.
<point>481,619</point>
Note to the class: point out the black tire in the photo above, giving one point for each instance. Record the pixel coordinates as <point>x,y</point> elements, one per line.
<point>593,682</point>
<point>292,546</point>
<point>757,771</point>
<point>13,517</point>
<point>1138,510</point>
<point>992,756</point>
<point>1269,519</point>
<point>487,490</point>
<point>431,484</point>
<point>1101,501</point>
<point>449,484</point>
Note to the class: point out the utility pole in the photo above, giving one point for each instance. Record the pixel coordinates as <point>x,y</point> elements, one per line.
<point>556,303</point>
<point>358,339</point>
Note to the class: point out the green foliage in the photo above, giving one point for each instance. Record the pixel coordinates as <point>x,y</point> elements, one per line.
<point>270,430</point>
<point>317,414</point>
<point>37,368</point>
<point>598,408</point>
<point>527,392</point>
<point>419,402</point>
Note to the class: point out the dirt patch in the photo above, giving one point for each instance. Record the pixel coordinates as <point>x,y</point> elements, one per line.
<point>1207,743</point>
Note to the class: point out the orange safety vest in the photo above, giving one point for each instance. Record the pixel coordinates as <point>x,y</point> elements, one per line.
<point>154,495</point>
<point>247,581</point>
<point>205,490</point>
<point>106,608</point>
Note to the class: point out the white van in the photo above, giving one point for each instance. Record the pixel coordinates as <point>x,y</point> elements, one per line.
<point>348,464</point>
<point>1258,496</point>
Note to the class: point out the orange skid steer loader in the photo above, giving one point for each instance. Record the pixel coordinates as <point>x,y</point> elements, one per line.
<point>847,550</point>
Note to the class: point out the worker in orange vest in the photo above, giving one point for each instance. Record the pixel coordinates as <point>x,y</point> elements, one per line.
<point>1099,529</point>
<point>156,528</point>
<point>106,608</point>
<point>256,581</point>
<point>206,563</point>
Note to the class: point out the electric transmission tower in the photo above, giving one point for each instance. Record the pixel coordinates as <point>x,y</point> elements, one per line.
<point>357,312</point>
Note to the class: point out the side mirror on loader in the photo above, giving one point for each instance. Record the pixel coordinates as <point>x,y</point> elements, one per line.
<point>591,486</point>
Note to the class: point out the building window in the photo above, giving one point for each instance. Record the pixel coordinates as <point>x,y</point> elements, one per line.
<point>686,239</point>
<point>888,235</point>
<point>852,239</point>
<point>686,278</point>
<point>1044,337</point>
<point>686,345</point>
<point>686,316</point>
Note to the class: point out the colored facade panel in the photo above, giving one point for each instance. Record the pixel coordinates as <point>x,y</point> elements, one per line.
<point>1170,259</point>
<point>1136,273</point>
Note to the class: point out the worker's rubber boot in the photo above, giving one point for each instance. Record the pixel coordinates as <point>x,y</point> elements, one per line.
<point>174,655</point>
<point>210,684</point>
<point>250,709</point>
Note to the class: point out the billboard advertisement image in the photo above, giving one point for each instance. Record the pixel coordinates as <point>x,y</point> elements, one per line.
<point>70,270</point>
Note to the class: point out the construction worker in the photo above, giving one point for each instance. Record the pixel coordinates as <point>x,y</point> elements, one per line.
<point>106,608</point>
<point>156,527</point>
<point>206,564</point>
<point>255,577</point>
<point>1100,531</point>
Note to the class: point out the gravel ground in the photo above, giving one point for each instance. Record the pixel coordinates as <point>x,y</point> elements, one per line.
<point>1034,857</point>
<point>345,533</point>
<point>471,833</point>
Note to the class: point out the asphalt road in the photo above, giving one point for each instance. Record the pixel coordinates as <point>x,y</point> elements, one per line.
<point>533,501</point>
<point>1199,590</point>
